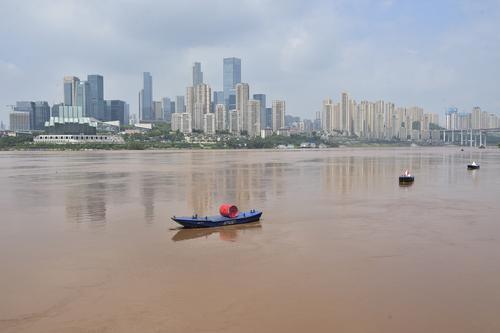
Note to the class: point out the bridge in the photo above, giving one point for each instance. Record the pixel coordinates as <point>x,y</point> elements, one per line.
<point>472,137</point>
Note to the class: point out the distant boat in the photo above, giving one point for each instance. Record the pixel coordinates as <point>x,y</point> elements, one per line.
<point>406,178</point>
<point>229,215</point>
<point>473,166</point>
<point>482,147</point>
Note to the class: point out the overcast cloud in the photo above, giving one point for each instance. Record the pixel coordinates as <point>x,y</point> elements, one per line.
<point>428,53</point>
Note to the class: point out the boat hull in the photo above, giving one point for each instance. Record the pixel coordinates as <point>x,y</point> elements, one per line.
<point>406,179</point>
<point>473,167</point>
<point>217,221</point>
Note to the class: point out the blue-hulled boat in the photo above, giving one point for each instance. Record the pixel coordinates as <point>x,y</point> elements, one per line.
<point>196,221</point>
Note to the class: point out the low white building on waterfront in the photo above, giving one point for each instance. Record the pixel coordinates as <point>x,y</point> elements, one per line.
<point>80,138</point>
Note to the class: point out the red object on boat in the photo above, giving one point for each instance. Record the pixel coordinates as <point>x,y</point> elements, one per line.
<point>228,210</point>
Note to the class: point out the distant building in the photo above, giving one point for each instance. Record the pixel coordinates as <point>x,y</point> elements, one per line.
<point>197,74</point>
<point>220,117</point>
<point>231,77</point>
<point>29,108</point>
<point>157,111</point>
<point>209,123</point>
<point>266,132</point>
<point>278,115</point>
<point>54,112</point>
<point>218,97</point>
<point>234,126</point>
<point>242,97</point>
<point>269,118</point>
<point>198,100</point>
<point>78,138</point>
<point>40,116</point>
<point>19,121</point>
<point>97,104</point>
<point>167,108</point>
<point>70,89</point>
<point>83,98</point>
<point>252,125</point>
<point>146,98</point>
<point>117,110</point>
<point>262,99</point>
<point>181,122</point>
<point>180,106</point>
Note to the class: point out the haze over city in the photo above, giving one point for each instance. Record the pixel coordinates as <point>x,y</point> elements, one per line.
<point>427,54</point>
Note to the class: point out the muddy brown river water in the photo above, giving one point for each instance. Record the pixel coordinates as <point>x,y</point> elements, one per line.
<point>86,243</point>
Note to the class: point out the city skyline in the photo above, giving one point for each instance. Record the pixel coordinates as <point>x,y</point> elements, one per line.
<point>310,51</point>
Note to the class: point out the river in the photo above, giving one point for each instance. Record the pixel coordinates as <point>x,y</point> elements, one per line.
<point>87,244</point>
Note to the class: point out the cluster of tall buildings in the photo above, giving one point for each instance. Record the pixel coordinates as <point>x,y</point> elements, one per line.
<point>476,119</point>
<point>88,96</point>
<point>375,120</point>
<point>233,110</point>
<point>84,99</point>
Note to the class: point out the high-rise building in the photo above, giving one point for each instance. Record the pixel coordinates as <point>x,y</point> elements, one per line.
<point>197,74</point>
<point>242,97</point>
<point>218,97</point>
<point>180,107</point>
<point>476,118</point>
<point>209,123</point>
<point>269,118</point>
<point>198,100</point>
<point>278,115</point>
<point>231,77</point>
<point>19,121</point>
<point>146,98</point>
<point>451,118</point>
<point>83,98</point>
<point>220,117</point>
<point>117,110</point>
<point>252,125</point>
<point>157,111</point>
<point>327,115</point>
<point>167,109</point>
<point>262,99</point>
<point>181,122</point>
<point>234,123</point>
<point>344,113</point>
<point>29,108</point>
<point>97,106</point>
<point>41,115</point>
<point>54,112</point>
<point>70,89</point>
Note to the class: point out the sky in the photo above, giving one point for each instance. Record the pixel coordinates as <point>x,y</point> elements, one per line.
<point>432,54</point>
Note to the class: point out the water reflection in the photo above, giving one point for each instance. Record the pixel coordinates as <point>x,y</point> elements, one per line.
<point>227,233</point>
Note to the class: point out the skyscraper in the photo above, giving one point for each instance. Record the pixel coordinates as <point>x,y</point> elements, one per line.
<point>29,108</point>
<point>146,98</point>
<point>253,119</point>
<point>180,107</point>
<point>231,77</point>
<point>117,110</point>
<point>41,115</point>
<point>198,99</point>
<point>262,99</point>
<point>167,109</point>
<point>19,121</point>
<point>97,107</point>
<point>242,97</point>
<point>278,115</point>
<point>220,117</point>
<point>345,123</point>
<point>70,89</point>
<point>83,98</point>
<point>197,74</point>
